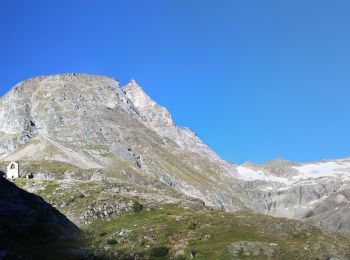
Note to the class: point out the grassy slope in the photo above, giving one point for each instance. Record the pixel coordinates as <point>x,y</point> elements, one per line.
<point>199,230</point>
<point>207,234</point>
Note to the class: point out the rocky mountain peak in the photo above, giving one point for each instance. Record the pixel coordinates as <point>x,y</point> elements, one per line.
<point>153,114</point>
<point>139,98</point>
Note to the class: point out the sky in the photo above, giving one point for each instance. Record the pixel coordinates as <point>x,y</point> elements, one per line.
<point>254,79</point>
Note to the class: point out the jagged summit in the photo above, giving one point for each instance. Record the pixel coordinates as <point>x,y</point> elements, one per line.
<point>154,114</point>
<point>140,99</point>
<point>159,119</point>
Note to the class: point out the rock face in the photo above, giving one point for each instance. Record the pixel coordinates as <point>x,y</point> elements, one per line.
<point>26,219</point>
<point>68,108</point>
<point>73,126</point>
<point>152,114</point>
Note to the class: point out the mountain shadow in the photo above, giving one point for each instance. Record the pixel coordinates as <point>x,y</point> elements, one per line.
<point>30,228</point>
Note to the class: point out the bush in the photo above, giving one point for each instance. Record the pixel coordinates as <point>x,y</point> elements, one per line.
<point>112,242</point>
<point>192,226</point>
<point>159,251</point>
<point>137,206</point>
<point>241,252</point>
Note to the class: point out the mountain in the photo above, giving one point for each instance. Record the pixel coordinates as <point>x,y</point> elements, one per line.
<point>92,123</point>
<point>105,154</point>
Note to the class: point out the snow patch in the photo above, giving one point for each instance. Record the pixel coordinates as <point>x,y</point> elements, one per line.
<point>323,169</point>
<point>249,175</point>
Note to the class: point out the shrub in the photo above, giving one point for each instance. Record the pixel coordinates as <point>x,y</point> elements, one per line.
<point>137,206</point>
<point>159,251</point>
<point>192,226</point>
<point>112,242</point>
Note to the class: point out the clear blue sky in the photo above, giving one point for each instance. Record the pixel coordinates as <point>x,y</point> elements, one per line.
<point>255,79</point>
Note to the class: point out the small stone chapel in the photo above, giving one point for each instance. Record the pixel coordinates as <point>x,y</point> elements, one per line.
<point>12,171</point>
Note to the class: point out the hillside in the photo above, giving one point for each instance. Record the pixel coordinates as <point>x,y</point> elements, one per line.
<point>127,221</point>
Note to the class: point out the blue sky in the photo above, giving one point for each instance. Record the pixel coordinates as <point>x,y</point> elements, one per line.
<point>255,79</point>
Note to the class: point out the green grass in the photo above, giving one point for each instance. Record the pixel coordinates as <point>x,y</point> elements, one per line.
<point>209,238</point>
<point>49,189</point>
<point>20,182</point>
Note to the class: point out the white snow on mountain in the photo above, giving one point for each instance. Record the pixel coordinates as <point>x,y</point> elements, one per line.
<point>248,174</point>
<point>326,169</point>
<point>323,169</point>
